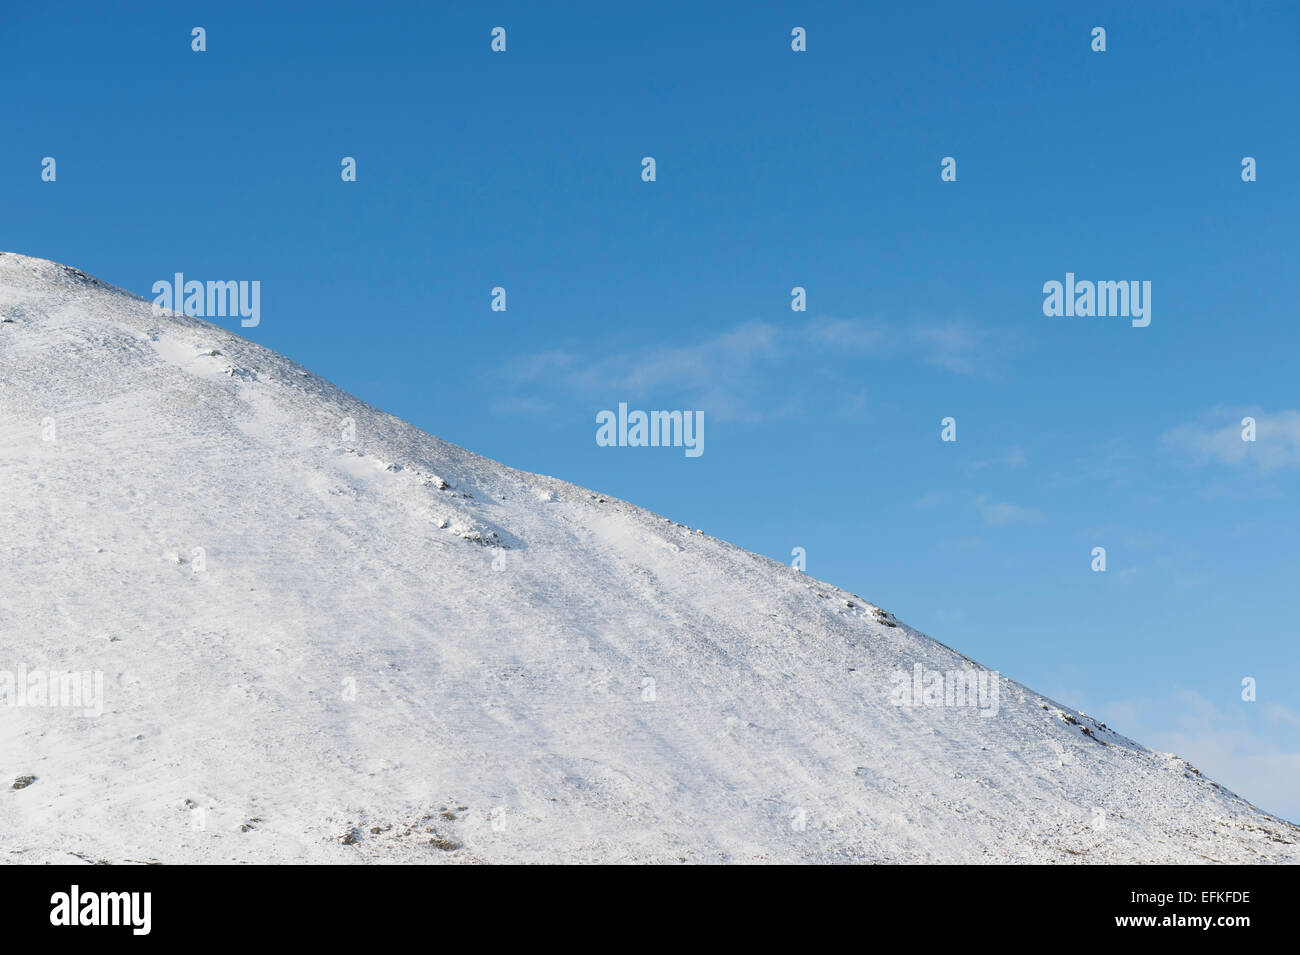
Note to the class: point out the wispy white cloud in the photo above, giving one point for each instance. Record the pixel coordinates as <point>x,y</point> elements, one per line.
<point>999,513</point>
<point>542,364</point>
<point>991,512</point>
<point>528,405</point>
<point>732,372</point>
<point>956,346</point>
<point>845,333</point>
<point>1238,749</point>
<point>1010,458</point>
<point>1217,438</point>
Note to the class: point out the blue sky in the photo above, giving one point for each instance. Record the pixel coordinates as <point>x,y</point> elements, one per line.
<point>775,169</point>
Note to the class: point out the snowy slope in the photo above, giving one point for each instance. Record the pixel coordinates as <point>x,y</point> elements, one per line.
<point>362,664</point>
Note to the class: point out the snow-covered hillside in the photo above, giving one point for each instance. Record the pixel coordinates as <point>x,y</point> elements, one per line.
<point>327,636</point>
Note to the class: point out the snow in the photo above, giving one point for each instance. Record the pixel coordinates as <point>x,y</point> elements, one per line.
<point>321,645</point>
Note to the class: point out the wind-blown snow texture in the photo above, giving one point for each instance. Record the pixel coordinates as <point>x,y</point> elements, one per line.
<point>349,678</point>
